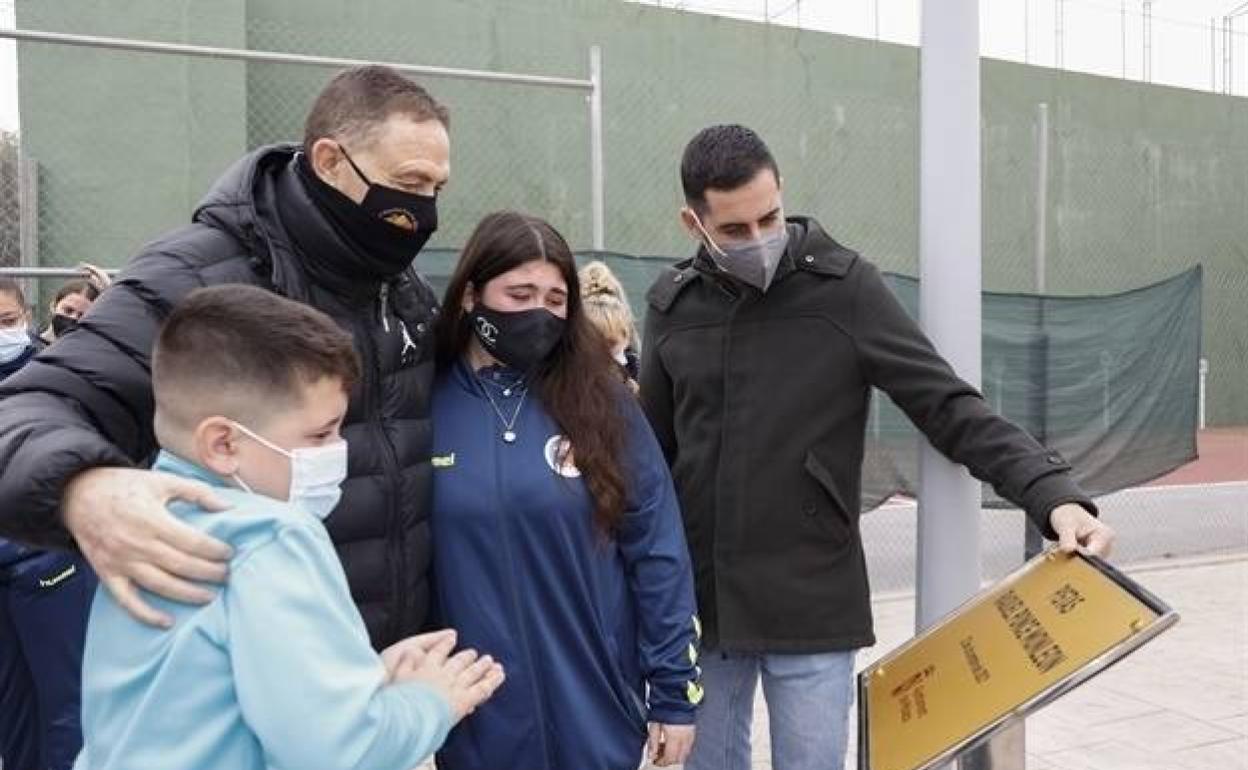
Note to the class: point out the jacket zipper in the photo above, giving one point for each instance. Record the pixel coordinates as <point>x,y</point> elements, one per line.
<point>390,468</point>
<point>505,529</point>
<point>725,361</point>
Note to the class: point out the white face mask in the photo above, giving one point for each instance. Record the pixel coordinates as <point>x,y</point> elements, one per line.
<point>316,474</point>
<point>13,342</point>
<point>753,262</point>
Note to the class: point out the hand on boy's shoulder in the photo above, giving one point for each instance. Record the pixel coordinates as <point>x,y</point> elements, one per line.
<point>120,520</point>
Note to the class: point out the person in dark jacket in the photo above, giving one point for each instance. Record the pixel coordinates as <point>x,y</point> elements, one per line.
<point>759,357</point>
<point>335,223</point>
<point>44,600</point>
<point>557,541</point>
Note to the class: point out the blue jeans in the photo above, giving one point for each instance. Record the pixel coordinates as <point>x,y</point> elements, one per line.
<point>808,701</point>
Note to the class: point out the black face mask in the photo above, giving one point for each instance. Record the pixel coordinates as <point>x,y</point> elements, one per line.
<point>62,324</point>
<point>520,339</point>
<point>390,226</point>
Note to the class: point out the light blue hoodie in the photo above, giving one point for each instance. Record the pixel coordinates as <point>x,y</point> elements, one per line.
<point>276,672</point>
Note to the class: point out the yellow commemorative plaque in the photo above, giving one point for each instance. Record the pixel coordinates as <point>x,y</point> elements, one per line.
<point>1018,645</point>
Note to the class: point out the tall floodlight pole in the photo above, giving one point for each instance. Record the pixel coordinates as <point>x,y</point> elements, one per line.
<point>949,280</point>
<point>949,311</point>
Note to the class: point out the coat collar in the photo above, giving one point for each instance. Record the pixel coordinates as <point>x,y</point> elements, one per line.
<point>810,250</point>
<point>170,463</point>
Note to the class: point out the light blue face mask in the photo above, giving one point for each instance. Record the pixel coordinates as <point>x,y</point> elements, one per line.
<point>13,342</point>
<point>316,474</point>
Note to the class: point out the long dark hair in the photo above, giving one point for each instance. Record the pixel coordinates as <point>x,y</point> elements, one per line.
<point>577,382</point>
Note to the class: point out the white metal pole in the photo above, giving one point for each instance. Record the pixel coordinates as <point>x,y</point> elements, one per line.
<point>1123,24</point>
<point>1228,76</point>
<point>1204,377</point>
<point>1027,31</point>
<point>1213,54</point>
<point>238,54</point>
<point>1059,34</point>
<point>1226,55</point>
<point>1042,195</point>
<point>1033,541</point>
<point>597,181</point>
<point>37,273</point>
<point>947,568</point>
<point>1230,54</point>
<point>949,273</point>
<point>1148,42</point>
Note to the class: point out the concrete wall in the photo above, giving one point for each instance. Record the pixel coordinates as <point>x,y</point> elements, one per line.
<point>126,143</point>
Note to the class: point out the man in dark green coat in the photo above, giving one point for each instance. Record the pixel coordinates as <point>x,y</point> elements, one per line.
<point>760,354</point>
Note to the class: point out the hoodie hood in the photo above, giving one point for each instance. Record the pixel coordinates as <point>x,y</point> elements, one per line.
<point>263,202</point>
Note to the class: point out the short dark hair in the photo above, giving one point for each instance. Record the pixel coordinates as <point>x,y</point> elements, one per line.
<point>77,286</point>
<point>10,286</point>
<point>357,101</point>
<point>239,350</point>
<point>722,158</point>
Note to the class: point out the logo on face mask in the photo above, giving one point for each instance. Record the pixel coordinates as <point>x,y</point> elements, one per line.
<point>487,331</point>
<point>400,218</point>
<point>520,339</point>
<point>387,227</point>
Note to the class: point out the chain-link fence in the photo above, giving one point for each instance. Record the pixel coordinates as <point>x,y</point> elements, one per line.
<point>10,201</point>
<point>171,135</point>
<point>1139,184</point>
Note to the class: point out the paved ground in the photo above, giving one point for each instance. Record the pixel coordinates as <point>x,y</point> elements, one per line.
<point>1179,703</point>
<point>1152,523</point>
<point>1197,510</point>
<point>1223,457</point>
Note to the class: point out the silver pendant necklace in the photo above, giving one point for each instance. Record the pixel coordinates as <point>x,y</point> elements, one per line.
<point>509,433</point>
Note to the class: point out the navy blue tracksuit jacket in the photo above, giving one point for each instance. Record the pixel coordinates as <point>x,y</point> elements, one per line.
<point>44,600</point>
<point>598,636</point>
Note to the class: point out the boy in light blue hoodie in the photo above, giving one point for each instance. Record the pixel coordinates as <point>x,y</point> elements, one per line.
<point>277,671</point>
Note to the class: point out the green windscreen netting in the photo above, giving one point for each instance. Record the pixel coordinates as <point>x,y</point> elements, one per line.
<point>1108,381</point>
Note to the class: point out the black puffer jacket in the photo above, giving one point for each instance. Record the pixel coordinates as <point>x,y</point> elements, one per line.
<point>87,401</point>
